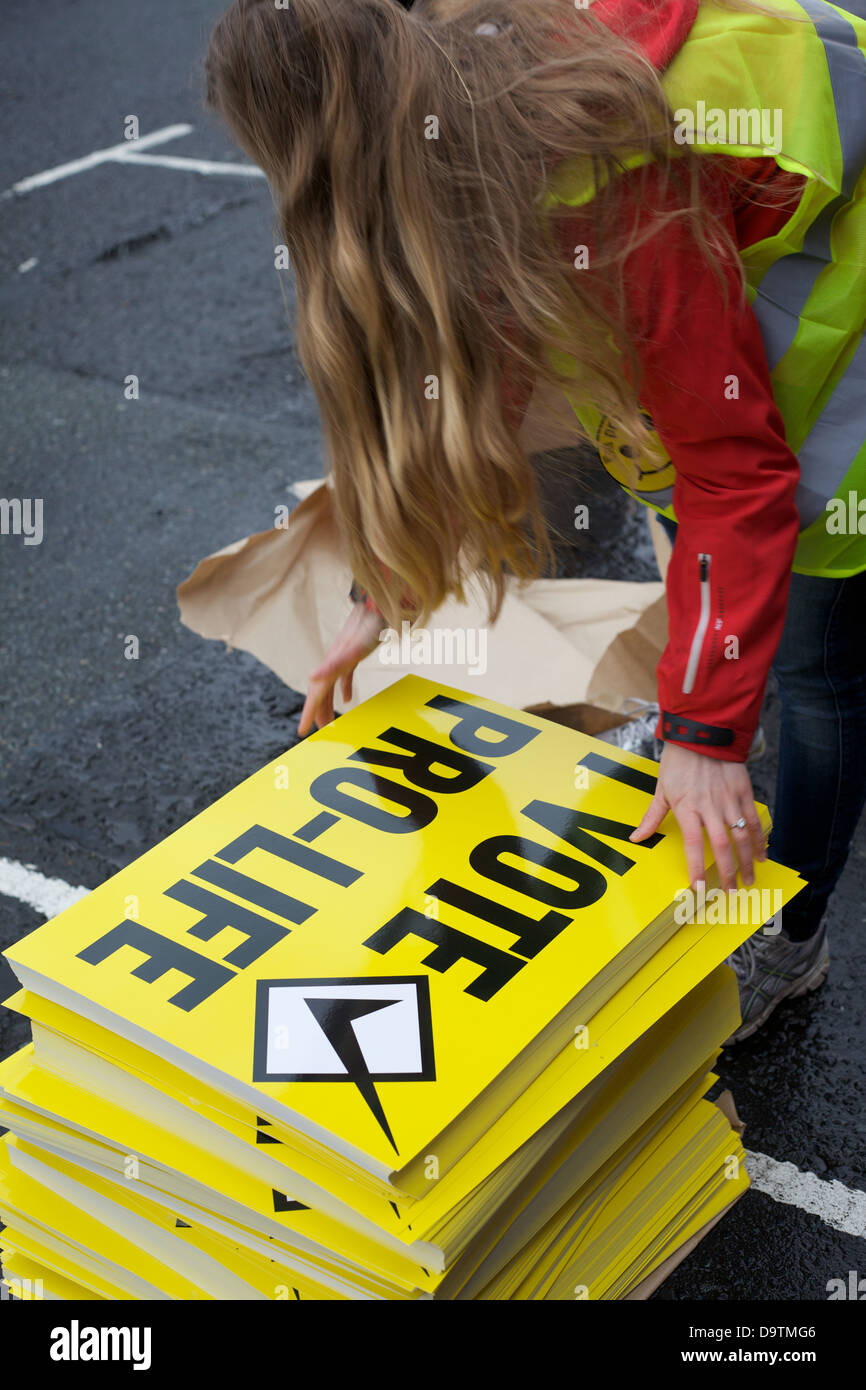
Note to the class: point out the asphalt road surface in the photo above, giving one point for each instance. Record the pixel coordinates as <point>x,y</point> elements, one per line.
<point>126,267</point>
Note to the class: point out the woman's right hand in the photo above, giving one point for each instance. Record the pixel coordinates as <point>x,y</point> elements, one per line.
<point>358,637</point>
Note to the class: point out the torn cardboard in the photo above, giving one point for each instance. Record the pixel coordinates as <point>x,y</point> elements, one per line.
<point>572,649</point>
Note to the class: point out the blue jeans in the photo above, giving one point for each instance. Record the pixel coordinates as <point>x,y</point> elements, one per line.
<point>820,667</point>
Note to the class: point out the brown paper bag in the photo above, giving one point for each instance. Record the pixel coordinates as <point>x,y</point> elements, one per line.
<point>572,649</point>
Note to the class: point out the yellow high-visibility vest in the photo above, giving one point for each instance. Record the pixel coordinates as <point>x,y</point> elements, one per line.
<point>750,84</point>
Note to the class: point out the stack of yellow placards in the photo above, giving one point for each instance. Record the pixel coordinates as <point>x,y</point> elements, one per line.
<point>406,1014</point>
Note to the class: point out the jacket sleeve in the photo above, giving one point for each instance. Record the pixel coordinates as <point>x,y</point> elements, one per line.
<point>706,385</point>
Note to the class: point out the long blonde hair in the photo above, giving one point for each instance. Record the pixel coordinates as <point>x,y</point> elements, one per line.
<point>407,155</point>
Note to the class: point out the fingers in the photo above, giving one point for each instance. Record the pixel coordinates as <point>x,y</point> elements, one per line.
<point>306,719</point>
<point>712,796</point>
<point>329,668</point>
<point>756,830</point>
<point>311,704</point>
<point>690,826</point>
<point>655,814</point>
<point>692,831</point>
<point>318,706</point>
<point>723,851</point>
<point>359,636</point>
<point>326,706</point>
<point>745,843</point>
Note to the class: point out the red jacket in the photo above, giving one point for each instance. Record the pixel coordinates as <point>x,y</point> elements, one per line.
<point>728,579</point>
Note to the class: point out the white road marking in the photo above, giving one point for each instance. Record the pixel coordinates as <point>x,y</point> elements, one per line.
<point>841,1207</point>
<point>111,154</point>
<point>838,1206</point>
<point>28,885</point>
<point>196,166</point>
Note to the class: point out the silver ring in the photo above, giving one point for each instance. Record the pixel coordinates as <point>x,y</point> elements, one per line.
<point>739,824</point>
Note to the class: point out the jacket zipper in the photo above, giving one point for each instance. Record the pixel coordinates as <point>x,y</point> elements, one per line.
<point>702,625</point>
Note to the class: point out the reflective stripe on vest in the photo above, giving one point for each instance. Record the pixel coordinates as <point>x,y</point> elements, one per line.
<point>787,285</point>
<point>807,284</point>
<point>830,447</point>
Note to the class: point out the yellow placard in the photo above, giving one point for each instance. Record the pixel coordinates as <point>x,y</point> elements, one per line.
<point>362,937</point>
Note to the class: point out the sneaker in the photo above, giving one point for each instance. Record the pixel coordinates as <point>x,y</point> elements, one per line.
<point>638,735</point>
<point>772,968</point>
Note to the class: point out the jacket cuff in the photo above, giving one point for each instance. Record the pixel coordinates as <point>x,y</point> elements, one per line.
<point>713,740</point>
<point>359,595</point>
